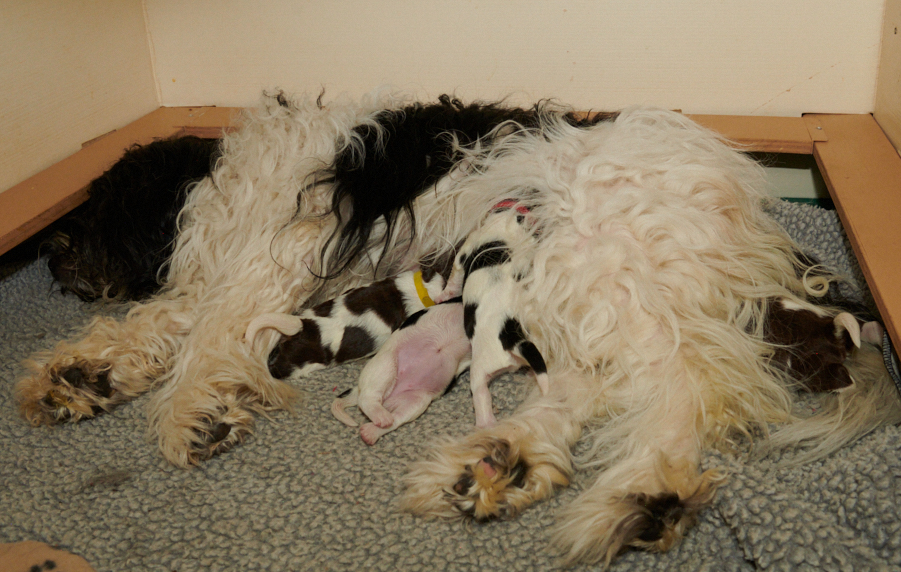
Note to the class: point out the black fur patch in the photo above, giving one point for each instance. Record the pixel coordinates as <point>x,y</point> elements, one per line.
<point>355,343</point>
<point>490,254</point>
<point>410,152</point>
<point>122,235</point>
<point>533,357</point>
<point>807,348</point>
<point>511,334</point>
<point>469,319</point>
<point>412,319</point>
<point>324,310</point>
<point>298,350</point>
<point>383,298</point>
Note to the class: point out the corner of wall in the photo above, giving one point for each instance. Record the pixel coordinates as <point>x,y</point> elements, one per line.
<point>152,52</point>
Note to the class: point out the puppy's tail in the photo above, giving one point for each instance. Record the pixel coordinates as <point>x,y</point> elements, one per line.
<point>285,324</point>
<point>347,399</point>
<point>845,415</point>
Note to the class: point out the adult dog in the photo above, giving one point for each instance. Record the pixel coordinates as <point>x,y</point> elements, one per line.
<point>648,293</point>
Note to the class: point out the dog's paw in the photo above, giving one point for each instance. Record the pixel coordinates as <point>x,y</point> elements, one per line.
<point>72,392</point>
<point>603,521</point>
<point>214,437</point>
<point>481,478</point>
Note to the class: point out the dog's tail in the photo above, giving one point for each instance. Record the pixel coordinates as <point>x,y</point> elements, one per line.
<point>346,399</point>
<point>285,324</point>
<point>844,415</point>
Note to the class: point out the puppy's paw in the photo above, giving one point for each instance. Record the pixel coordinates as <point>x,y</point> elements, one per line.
<point>72,392</point>
<point>370,433</point>
<point>481,478</point>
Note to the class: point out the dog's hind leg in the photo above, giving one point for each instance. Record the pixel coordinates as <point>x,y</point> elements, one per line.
<point>650,489</point>
<point>113,363</point>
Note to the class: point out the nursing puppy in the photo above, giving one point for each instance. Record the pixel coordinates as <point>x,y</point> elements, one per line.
<point>486,275</point>
<point>353,325</point>
<point>811,345</point>
<point>415,367</point>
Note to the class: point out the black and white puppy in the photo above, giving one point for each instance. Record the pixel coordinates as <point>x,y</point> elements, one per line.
<point>354,325</point>
<point>812,346</point>
<point>486,276</point>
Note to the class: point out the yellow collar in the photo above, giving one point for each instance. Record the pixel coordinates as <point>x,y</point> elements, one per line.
<point>421,290</point>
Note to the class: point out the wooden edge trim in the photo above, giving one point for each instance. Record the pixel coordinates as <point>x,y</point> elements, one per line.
<point>760,134</point>
<point>862,170</point>
<point>31,205</point>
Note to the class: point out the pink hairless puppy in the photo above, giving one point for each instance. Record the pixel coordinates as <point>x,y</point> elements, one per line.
<point>412,369</point>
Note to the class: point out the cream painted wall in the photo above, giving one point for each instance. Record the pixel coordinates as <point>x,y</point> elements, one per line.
<point>69,71</point>
<point>767,57</point>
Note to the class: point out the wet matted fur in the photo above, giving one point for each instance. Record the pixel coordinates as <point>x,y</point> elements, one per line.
<point>648,293</point>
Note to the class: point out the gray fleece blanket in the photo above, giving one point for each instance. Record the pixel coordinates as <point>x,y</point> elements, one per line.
<point>305,493</point>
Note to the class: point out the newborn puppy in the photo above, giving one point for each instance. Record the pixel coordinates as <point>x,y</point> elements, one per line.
<point>353,325</point>
<point>486,275</point>
<point>415,367</point>
<point>813,346</point>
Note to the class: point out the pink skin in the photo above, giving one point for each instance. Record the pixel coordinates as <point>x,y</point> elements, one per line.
<point>489,471</point>
<point>413,369</point>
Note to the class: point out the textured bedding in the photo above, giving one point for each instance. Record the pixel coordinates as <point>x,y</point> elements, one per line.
<point>305,493</point>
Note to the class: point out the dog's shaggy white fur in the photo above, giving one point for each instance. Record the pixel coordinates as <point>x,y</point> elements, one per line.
<point>647,296</point>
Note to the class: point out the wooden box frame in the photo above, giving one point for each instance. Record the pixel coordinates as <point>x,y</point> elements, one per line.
<point>861,168</point>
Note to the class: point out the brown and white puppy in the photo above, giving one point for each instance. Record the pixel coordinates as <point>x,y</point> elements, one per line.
<point>415,367</point>
<point>486,275</point>
<point>812,346</point>
<point>353,325</point>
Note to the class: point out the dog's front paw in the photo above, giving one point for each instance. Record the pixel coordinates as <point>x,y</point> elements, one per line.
<point>187,439</point>
<point>214,437</point>
<point>482,478</point>
<point>71,392</point>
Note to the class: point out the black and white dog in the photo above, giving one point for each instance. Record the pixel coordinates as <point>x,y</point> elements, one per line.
<point>648,292</point>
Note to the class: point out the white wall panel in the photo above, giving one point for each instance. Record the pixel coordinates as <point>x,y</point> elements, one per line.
<point>768,57</point>
<point>69,71</point>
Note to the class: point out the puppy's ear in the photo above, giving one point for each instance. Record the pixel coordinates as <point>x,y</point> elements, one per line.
<point>845,322</point>
<point>872,333</point>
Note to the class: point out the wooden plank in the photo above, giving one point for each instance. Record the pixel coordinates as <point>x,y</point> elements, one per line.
<point>33,204</point>
<point>888,86</point>
<point>761,134</point>
<point>752,133</point>
<point>863,173</point>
